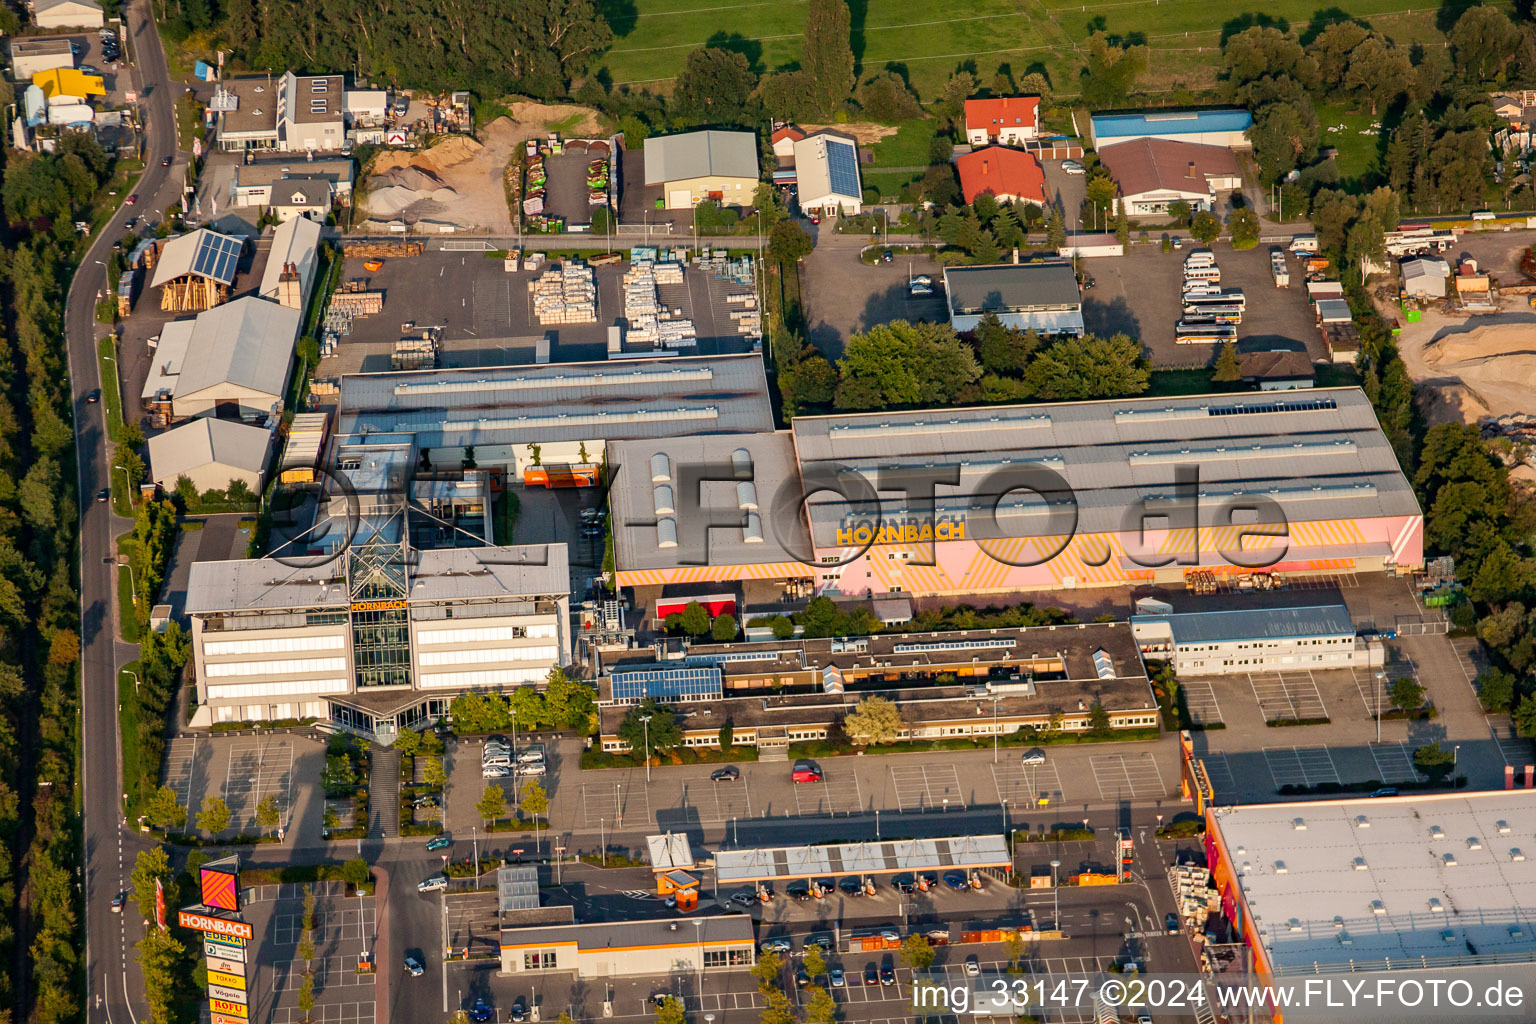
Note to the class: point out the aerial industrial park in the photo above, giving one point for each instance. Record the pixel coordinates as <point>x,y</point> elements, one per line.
<point>575,512</point>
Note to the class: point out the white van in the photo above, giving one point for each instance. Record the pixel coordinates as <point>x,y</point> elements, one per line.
<point>1304,243</point>
<point>1482,215</point>
<point>1200,258</point>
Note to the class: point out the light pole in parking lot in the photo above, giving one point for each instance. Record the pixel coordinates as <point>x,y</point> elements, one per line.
<point>995,698</point>
<point>645,722</point>
<point>1055,897</point>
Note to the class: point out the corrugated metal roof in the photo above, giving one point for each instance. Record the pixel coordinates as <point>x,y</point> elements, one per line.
<point>1171,122</point>
<point>1255,624</point>
<point>724,929</point>
<point>879,857</point>
<point>247,343</point>
<point>700,155</point>
<point>827,167</point>
<point>1092,446</point>
<point>230,443</point>
<point>561,401</point>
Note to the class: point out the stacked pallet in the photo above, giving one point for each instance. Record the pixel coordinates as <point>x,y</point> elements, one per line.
<point>669,273</point>
<point>650,323</point>
<point>565,295</point>
<point>414,354</point>
<point>358,303</point>
<point>381,249</point>
<point>1192,889</point>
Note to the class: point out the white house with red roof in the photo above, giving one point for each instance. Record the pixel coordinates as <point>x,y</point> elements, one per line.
<point>1011,175</point>
<point>1005,121</point>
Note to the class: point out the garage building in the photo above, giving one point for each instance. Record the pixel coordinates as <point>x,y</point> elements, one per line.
<point>1227,126</point>
<point>659,949</point>
<point>1152,173</point>
<point>693,167</point>
<point>1042,296</point>
<point>211,452</point>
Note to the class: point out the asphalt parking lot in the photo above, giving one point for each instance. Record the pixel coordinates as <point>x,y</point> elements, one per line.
<point>243,770</point>
<point>467,784</point>
<point>1140,294</point>
<point>844,296</point>
<point>344,927</point>
<point>486,313</point>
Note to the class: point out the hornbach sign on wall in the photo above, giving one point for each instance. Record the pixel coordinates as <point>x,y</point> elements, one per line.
<point>378,606</point>
<point>899,531</point>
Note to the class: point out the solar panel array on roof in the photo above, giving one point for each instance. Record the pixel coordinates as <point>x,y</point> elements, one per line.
<point>668,684</point>
<point>843,168</point>
<point>216,256</point>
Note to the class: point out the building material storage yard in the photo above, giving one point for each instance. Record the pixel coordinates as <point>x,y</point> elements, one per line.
<point>483,315</point>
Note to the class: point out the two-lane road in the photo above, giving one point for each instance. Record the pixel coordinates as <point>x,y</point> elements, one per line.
<point>113,997</point>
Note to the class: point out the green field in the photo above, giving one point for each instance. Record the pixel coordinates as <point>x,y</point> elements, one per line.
<point>1357,153</point>
<point>928,42</point>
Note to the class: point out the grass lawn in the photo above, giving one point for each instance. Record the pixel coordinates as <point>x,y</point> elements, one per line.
<point>128,733</point>
<point>1357,153</point>
<point>651,37</point>
<point>907,148</point>
<point>1167,383</point>
<point>126,606</point>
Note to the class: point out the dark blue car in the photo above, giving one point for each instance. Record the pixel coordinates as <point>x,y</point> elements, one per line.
<point>480,1012</point>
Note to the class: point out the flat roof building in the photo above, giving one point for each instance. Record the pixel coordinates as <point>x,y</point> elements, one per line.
<point>1321,459</point>
<point>1438,884</point>
<point>696,166</point>
<point>778,692</point>
<point>655,544</point>
<point>1042,296</point>
<point>1226,126</point>
<point>661,948</point>
<point>252,183</point>
<point>1252,640</point>
<point>355,622</point>
<point>564,408</point>
<point>30,55</point>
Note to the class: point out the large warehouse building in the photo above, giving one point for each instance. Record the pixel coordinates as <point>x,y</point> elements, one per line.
<point>1428,885</point>
<point>556,414</point>
<point>1320,463</point>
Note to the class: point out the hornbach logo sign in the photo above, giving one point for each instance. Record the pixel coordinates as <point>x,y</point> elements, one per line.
<point>889,530</point>
<point>378,606</point>
<point>217,925</point>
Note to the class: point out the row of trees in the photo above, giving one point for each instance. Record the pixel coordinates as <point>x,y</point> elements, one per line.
<point>42,195</point>
<point>565,703</point>
<point>900,364</point>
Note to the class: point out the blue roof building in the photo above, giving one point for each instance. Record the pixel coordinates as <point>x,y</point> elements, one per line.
<point>1220,127</point>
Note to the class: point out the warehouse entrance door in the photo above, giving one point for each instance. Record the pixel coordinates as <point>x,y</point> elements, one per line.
<point>679,199</point>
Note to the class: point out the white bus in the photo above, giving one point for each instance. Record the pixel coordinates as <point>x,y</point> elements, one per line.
<point>1203,334</point>
<point>1208,274</point>
<point>1213,314</point>
<point>1230,297</point>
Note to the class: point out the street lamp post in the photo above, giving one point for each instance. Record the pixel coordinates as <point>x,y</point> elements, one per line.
<point>1379,676</point>
<point>994,728</point>
<point>474,833</point>
<point>1055,897</point>
<point>645,722</point>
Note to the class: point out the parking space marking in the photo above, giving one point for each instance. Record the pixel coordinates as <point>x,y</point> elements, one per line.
<point>604,803</point>
<point>1119,775</point>
<point>1367,685</point>
<point>1200,698</point>
<point>1395,762</point>
<point>827,797</point>
<point>925,787</point>
<point>258,769</point>
<point>1220,773</point>
<point>1026,785</point>
<point>1287,695</point>
<point>330,972</point>
<point>732,800</point>
<point>180,766</point>
<point>327,1013</point>
<point>1515,750</point>
<point>348,923</point>
<point>1300,766</point>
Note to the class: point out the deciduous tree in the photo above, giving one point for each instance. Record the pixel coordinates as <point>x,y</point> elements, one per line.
<point>874,720</point>
<point>214,816</point>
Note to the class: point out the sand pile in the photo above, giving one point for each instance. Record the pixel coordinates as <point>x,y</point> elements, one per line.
<point>1485,371</point>
<point>867,133</point>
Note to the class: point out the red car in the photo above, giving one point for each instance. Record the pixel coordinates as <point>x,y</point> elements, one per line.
<point>815,219</point>
<point>132,200</point>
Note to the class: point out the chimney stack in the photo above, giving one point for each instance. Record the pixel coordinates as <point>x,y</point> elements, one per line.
<point>1191,169</point>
